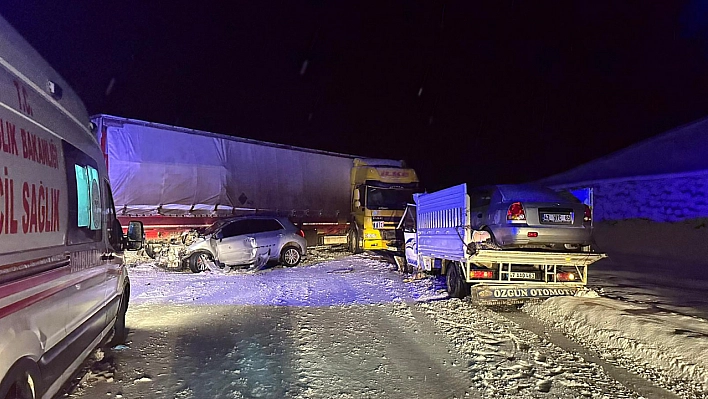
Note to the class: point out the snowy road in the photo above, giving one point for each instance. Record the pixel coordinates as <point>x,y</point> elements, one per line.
<point>346,328</point>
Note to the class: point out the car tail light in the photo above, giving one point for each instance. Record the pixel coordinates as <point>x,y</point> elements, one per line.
<point>566,276</point>
<point>301,233</point>
<point>478,274</point>
<point>532,234</point>
<point>588,214</point>
<point>516,212</point>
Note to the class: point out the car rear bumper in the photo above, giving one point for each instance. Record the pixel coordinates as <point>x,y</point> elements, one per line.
<point>519,235</point>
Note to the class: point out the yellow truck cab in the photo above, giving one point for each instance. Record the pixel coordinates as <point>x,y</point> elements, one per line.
<point>381,188</point>
<point>63,287</point>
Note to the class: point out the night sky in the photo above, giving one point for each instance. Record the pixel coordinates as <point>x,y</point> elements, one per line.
<point>476,92</point>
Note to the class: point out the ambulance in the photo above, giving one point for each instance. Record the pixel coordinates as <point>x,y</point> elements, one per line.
<point>63,287</point>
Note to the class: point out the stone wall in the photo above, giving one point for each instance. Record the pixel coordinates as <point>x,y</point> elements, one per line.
<point>662,199</point>
<point>662,220</point>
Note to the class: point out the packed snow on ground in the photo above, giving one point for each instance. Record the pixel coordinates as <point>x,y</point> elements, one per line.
<point>336,327</point>
<point>363,279</point>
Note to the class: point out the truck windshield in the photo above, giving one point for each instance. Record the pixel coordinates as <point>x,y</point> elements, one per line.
<point>388,198</point>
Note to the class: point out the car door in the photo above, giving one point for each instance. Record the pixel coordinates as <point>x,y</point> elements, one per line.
<point>234,246</point>
<point>268,234</point>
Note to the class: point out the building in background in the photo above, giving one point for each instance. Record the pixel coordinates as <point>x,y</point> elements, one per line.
<point>650,200</point>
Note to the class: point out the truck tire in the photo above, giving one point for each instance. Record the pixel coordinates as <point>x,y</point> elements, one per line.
<point>457,287</point>
<point>197,262</point>
<point>290,256</point>
<point>354,241</point>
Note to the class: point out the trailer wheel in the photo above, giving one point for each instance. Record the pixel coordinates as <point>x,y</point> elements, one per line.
<point>457,287</point>
<point>198,262</point>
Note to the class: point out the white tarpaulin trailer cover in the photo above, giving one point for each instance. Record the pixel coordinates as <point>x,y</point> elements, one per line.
<point>161,169</point>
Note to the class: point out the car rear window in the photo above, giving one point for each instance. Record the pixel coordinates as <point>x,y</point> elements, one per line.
<point>533,193</point>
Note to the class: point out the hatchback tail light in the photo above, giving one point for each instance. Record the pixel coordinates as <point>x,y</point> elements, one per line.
<point>516,212</point>
<point>588,214</point>
<point>301,233</point>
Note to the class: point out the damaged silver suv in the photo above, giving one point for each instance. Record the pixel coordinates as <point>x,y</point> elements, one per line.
<point>244,241</point>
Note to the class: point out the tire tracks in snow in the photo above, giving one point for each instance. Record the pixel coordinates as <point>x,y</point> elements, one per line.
<point>374,351</point>
<point>627,378</point>
<point>507,360</point>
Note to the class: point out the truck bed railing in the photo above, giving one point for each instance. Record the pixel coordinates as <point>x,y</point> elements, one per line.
<point>536,257</point>
<point>548,265</point>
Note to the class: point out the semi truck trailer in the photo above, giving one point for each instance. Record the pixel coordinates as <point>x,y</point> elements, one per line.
<point>175,179</point>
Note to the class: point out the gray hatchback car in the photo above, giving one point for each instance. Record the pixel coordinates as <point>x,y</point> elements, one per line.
<point>531,216</point>
<point>241,241</point>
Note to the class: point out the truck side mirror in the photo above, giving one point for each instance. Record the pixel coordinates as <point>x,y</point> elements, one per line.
<point>134,238</point>
<point>357,204</point>
<point>357,195</point>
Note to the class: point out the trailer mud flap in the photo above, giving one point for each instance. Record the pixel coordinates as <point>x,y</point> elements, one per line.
<point>517,293</point>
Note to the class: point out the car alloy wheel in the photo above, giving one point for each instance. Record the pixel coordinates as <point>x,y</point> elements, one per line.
<point>290,256</point>
<point>198,262</point>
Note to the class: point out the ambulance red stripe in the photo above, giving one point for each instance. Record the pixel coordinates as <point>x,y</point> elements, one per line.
<point>27,283</point>
<point>32,299</point>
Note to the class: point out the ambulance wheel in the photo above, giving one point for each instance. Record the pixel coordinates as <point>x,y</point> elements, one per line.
<point>457,287</point>
<point>20,381</point>
<point>120,333</point>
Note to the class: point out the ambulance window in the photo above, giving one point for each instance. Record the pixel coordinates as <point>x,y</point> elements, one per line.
<point>84,196</point>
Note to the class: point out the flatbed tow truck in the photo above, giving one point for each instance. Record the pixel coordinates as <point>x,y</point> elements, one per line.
<point>439,239</point>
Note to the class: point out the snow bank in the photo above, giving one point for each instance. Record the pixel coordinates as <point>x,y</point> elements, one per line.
<point>669,348</point>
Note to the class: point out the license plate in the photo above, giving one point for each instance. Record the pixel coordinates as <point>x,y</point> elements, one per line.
<point>378,224</point>
<point>556,218</point>
<point>526,275</point>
